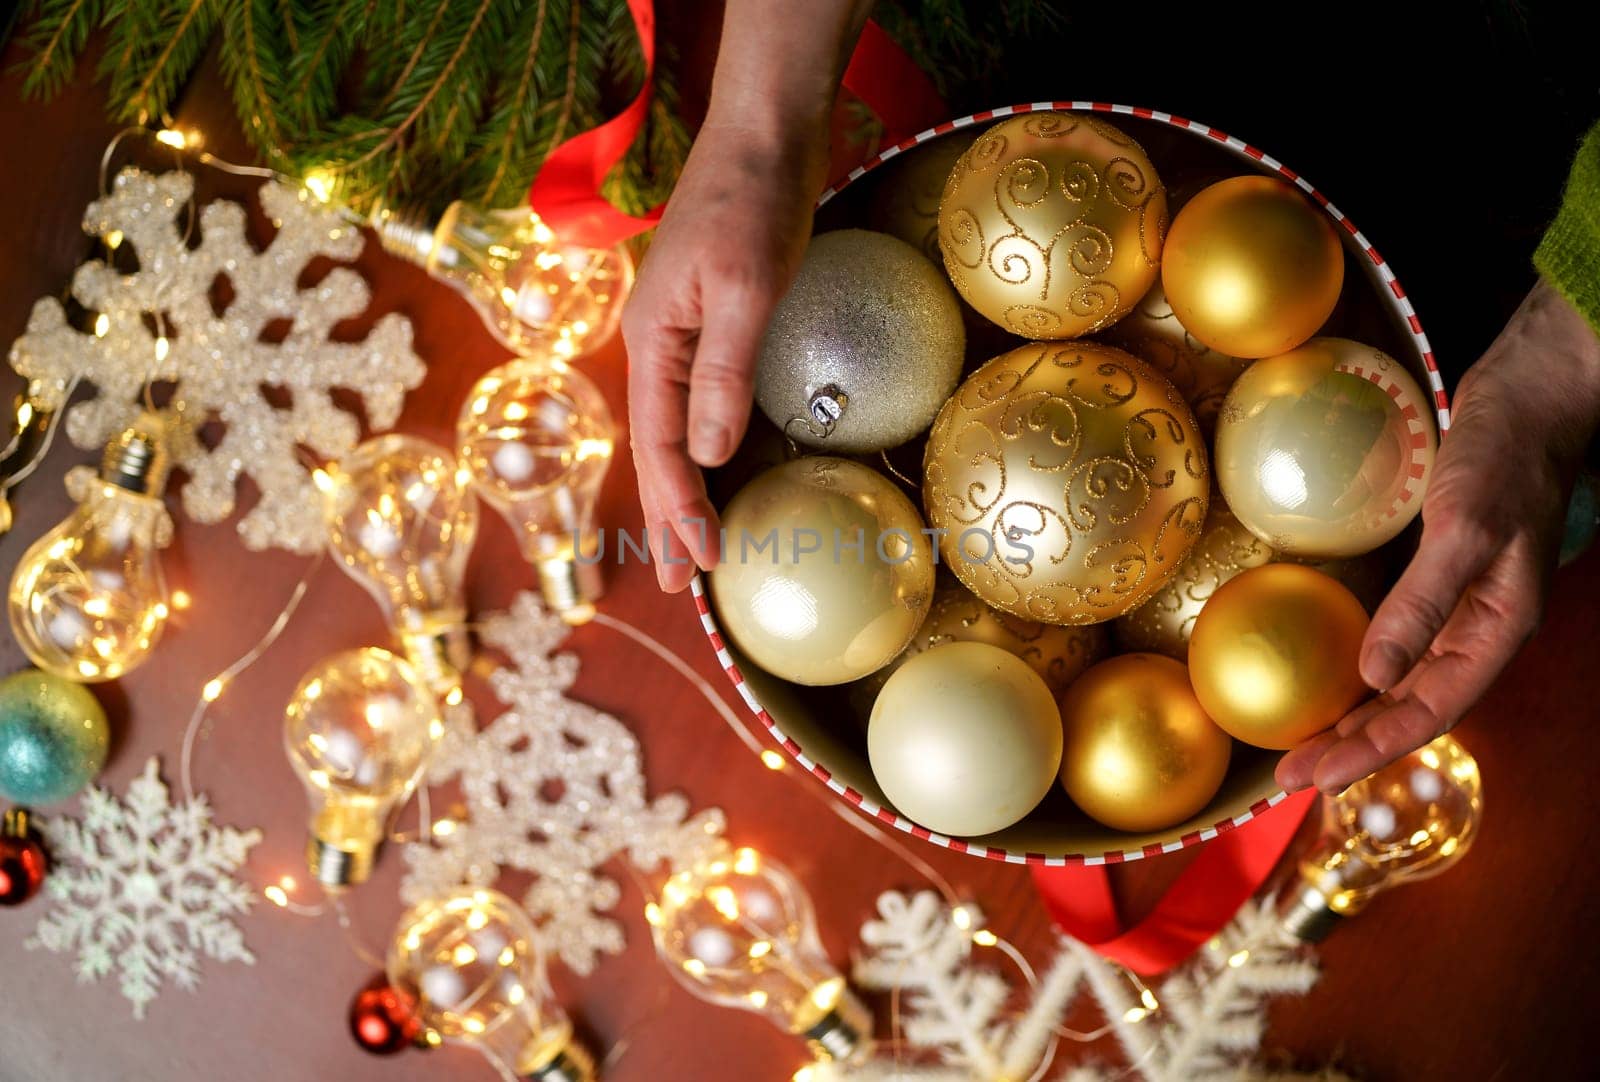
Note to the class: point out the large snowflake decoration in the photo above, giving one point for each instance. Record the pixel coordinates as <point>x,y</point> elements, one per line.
<point>554,788</point>
<point>144,887</point>
<point>262,368</point>
<point>1206,1025</point>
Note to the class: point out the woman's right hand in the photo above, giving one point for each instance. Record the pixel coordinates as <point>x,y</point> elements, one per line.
<point>725,252</point>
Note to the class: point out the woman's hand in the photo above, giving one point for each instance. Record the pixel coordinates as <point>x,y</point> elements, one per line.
<point>1491,525</point>
<point>726,250</point>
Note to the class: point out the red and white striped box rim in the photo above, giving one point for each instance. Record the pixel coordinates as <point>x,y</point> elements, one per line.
<point>1394,295</point>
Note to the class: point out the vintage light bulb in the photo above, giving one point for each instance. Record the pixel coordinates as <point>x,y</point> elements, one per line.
<point>359,731</point>
<point>401,520</point>
<point>738,930</point>
<point>471,963</point>
<point>535,293</point>
<point>88,601</point>
<point>1409,821</point>
<point>537,438</point>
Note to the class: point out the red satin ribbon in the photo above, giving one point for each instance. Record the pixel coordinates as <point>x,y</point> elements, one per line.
<point>566,191</point>
<point>1204,899</point>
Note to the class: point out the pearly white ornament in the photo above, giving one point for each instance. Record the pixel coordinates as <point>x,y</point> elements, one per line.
<point>270,397</point>
<point>144,887</point>
<point>555,788</point>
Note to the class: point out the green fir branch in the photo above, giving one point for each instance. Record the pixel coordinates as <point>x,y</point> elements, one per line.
<point>57,32</point>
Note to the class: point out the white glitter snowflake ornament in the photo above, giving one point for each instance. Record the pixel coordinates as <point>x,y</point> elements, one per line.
<point>555,788</point>
<point>144,887</point>
<point>271,395</point>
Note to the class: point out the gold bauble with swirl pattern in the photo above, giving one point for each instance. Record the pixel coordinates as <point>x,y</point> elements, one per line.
<point>905,199</point>
<point>1070,481</point>
<point>1051,224</point>
<point>1274,655</point>
<point>1162,624</point>
<point>1251,267</point>
<point>1152,333</point>
<point>825,573</point>
<point>1138,752</point>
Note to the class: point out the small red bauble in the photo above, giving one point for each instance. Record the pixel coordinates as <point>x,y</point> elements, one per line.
<point>22,860</point>
<point>382,1019</point>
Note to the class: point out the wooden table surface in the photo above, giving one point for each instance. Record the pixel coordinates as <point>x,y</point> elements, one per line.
<point>1483,973</point>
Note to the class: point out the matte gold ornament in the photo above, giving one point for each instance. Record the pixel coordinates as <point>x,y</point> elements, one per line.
<point>1070,480</point>
<point>1152,333</point>
<point>905,203</point>
<point>1325,451</point>
<point>965,739</point>
<point>1162,625</point>
<point>1138,752</point>
<point>1051,224</point>
<point>826,572</point>
<point>1273,656</point>
<point>1251,267</point>
<point>863,348</point>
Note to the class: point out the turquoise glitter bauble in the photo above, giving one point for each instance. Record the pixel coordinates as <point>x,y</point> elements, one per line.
<point>53,737</point>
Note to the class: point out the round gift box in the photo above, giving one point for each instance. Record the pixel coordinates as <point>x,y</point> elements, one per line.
<point>815,726</point>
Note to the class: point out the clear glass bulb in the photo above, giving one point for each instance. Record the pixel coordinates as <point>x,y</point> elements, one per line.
<point>537,438</point>
<point>359,731</point>
<point>534,292</point>
<point>1409,821</point>
<point>471,962</point>
<point>88,601</point>
<point>738,930</point>
<point>401,520</point>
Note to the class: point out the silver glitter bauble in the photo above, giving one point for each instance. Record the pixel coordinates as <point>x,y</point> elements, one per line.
<point>864,348</point>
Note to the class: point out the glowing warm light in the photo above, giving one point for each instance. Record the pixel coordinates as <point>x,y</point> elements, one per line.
<point>320,183</point>
<point>444,828</point>
<point>985,938</point>
<point>772,760</point>
<point>454,696</point>
<point>961,917</point>
<point>212,691</point>
<point>1134,1015</point>
<point>113,239</point>
<point>277,896</point>
<point>172,138</point>
<point>1238,958</point>
<point>163,347</point>
<point>102,325</point>
<point>181,600</point>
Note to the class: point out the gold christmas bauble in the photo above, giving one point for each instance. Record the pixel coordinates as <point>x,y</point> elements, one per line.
<point>863,348</point>
<point>1325,451</point>
<point>1273,656</point>
<point>965,739</point>
<point>1069,479</point>
<point>1138,752</point>
<point>1251,268</point>
<point>1059,654</point>
<point>1051,224</point>
<point>826,572</point>
<point>1152,333</point>
<point>1162,625</point>
<point>905,201</point>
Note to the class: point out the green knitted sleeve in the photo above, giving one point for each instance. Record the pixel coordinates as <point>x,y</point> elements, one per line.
<point>1569,255</point>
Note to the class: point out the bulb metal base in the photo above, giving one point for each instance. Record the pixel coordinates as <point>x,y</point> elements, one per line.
<point>1309,917</point>
<point>137,459</point>
<point>15,824</point>
<point>570,588</point>
<point>334,867</point>
<point>404,232</point>
<point>843,1032</point>
<point>572,1063</point>
<point>440,657</point>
